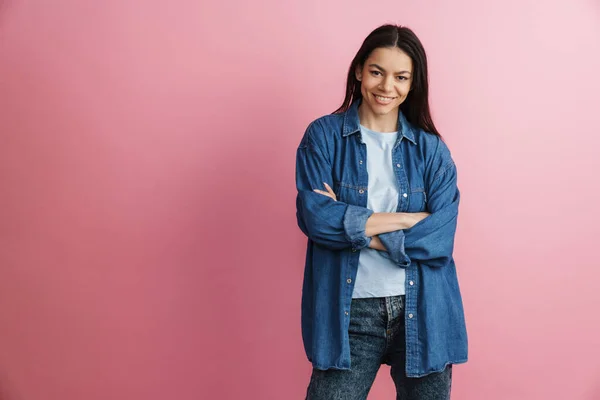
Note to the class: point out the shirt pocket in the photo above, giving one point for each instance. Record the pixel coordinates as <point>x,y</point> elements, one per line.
<point>350,193</point>
<point>417,200</point>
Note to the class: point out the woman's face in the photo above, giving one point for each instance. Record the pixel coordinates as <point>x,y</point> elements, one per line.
<point>386,79</point>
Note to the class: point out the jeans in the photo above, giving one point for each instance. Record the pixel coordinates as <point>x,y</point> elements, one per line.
<point>377,337</point>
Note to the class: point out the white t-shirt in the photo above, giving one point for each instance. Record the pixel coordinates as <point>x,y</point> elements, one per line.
<point>378,276</point>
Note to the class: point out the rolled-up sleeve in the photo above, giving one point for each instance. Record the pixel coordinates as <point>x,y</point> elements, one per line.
<point>355,220</point>
<point>396,248</point>
<point>430,241</point>
<point>329,223</point>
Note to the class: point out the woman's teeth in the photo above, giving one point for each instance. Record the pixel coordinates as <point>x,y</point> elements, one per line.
<point>382,99</point>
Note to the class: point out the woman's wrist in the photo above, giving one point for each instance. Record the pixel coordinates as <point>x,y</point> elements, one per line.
<point>379,223</point>
<point>376,244</point>
<point>403,220</point>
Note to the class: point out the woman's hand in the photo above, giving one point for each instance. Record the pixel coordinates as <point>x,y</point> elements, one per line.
<point>376,244</point>
<point>415,218</point>
<point>329,193</point>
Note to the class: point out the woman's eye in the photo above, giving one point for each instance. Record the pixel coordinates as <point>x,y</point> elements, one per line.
<point>375,73</point>
<point>402,78</point>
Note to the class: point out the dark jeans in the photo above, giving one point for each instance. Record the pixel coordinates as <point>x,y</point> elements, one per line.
<point>377,337</point>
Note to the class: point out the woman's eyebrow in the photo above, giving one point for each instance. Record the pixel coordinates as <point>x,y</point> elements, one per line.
<point>383,70</point>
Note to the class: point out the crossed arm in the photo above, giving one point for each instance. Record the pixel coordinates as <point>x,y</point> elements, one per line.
<point>379,223</point>
<point>423,237</point>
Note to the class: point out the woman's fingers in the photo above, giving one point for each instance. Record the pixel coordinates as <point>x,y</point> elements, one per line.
<point>324,193</point>
<point>330,191</point>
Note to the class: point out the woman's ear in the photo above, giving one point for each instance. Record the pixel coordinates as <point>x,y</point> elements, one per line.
<point>358,73</point>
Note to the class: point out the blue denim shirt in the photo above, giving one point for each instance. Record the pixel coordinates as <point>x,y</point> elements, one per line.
<point>332,151</point>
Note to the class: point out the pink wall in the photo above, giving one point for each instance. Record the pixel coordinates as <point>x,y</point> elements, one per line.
<point>148,246</point>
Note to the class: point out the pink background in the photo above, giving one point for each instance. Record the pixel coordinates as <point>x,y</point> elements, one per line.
<point>148,242</point>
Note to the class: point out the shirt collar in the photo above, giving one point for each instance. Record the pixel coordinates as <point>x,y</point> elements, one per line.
<point>352,123</point>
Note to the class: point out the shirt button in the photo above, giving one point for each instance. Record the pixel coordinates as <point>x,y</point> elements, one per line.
<point>346,312</point>
<point>360,162</point>
<point>410,315</point>
<point>354,250</point>
<point>404,195</point>
<point>411,283</point>
<point>349,280</point>
<point>361,191</point>
<point>398,165</point>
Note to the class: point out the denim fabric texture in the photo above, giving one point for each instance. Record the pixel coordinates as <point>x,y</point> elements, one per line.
<point>377,336</point>
<point>332,151</point>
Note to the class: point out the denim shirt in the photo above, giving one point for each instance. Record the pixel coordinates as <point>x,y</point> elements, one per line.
<point>332,151</point>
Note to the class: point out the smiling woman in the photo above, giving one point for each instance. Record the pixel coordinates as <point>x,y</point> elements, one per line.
<point>378,201</point>
<point>383,89</point>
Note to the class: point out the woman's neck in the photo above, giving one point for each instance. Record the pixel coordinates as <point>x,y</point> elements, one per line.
<point>387,123</point>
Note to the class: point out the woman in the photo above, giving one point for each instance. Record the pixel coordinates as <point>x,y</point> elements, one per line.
<point>378,201</point>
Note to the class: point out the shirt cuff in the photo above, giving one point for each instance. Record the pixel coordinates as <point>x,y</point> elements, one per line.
<point>394,243</point>
<point>355,220</point>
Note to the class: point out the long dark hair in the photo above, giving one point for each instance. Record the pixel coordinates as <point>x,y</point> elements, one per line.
<point>416,105</point>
